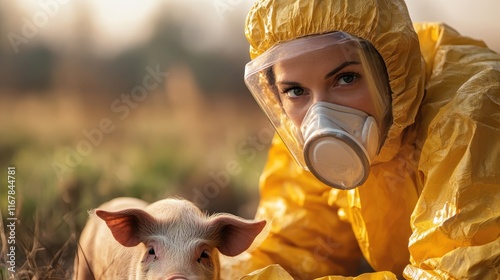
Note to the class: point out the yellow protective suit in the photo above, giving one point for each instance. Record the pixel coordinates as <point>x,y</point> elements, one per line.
<point>430,206</point>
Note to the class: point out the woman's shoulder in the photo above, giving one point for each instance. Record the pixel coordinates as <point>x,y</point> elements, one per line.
<point>460,72</point>
<point>439,41</point>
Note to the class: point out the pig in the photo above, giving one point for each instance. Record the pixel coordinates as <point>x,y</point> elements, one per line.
<point>170,239</point>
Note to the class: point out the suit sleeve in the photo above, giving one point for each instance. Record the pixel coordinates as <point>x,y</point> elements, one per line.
<point>456,223</point>
<point>307,237</point>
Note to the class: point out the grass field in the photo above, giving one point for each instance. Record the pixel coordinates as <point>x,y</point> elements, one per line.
<point>71,154</point>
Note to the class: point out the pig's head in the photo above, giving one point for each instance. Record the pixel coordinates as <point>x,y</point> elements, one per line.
<point>173,239</point>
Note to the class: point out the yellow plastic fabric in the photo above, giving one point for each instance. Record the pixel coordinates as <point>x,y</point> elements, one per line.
<point>272,271</point>
<point>276,272</point>
<point>430,207</point>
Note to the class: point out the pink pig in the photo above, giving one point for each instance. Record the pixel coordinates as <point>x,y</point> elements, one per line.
<point>169,239</point>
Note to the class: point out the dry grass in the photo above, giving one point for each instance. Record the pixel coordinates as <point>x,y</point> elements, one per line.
<point>38,257</point>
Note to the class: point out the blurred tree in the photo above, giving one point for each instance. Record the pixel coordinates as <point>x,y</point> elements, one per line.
<point>218,75</point>
<point>32,68</point>
<point>75,67</point>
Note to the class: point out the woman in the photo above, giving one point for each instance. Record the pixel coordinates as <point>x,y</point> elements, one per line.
<point>388,147</point>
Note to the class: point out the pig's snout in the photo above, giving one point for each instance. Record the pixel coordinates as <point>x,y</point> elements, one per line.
<point>176,277</point>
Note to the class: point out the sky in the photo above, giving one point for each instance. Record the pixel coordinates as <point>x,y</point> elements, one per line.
<point>119,24</point>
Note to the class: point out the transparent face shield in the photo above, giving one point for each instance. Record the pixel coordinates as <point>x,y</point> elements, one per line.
<point>329,100</point>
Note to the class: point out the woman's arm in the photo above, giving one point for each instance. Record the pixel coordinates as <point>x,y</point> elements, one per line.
<point>307,237</point>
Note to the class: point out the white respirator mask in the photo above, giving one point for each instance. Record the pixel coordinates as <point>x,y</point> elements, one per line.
<point>339,144</point>
<point>336,143</point>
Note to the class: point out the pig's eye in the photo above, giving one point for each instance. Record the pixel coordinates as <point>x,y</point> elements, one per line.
<point>204,258</point>
<point>205,254</point>
<point>150,255</point>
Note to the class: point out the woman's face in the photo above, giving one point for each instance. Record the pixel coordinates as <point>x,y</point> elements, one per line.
<point>326,75</point>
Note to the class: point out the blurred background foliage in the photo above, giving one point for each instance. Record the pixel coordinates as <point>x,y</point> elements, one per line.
<point>67,67</point>
<point>197,134</point>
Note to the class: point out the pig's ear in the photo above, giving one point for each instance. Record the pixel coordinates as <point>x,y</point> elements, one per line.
<point>235,234</point>
<point>126,225</point>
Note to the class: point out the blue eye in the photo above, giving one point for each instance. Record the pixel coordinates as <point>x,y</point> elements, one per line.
<point>294,92</point>
<point>347,78</point>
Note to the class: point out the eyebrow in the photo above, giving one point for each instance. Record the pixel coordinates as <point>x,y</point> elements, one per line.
<point>328,75</point>
<point>340,67</point>
<point>289,83</point>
